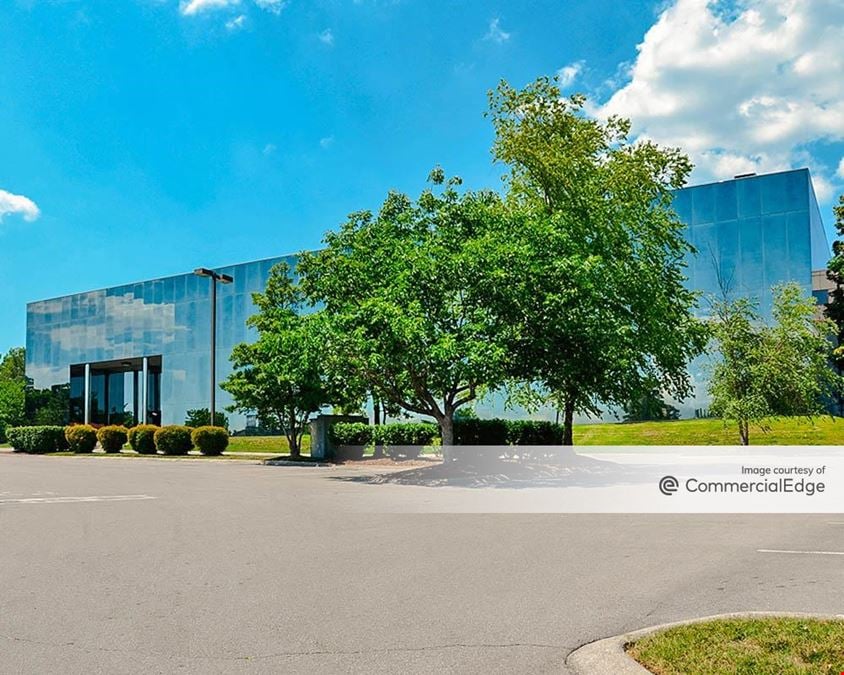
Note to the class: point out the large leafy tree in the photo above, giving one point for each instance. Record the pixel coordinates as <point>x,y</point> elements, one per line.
<point>765,370</point>
<point>282,376</point>
<point>402,295</point>
<point>835,306</point>
<point>592,285</point>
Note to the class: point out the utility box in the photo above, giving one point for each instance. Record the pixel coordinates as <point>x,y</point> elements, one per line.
<point>321,445</point>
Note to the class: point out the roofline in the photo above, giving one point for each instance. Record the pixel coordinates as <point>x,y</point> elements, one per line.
<point>756,175</point>
<point>163,278</point>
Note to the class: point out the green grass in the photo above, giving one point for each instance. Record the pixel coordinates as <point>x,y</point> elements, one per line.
<point>763,646</point>
<point>785,431</point>
<point>275,444</point>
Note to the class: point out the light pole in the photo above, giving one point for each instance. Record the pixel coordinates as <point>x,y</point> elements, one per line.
<point>223,279</point>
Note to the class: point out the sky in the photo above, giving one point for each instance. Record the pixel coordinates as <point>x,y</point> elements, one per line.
<point>143,138</point>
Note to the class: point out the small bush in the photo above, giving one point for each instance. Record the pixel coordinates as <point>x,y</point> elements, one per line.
<point>37,439</point>
<point>81,438</point>
<point>351,433</point>
<point>173,440</point>
<point>142,439</point>
<point>210,440</point>
<point>112,438</point>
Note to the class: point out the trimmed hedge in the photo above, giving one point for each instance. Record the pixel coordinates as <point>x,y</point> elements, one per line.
<point>37,439</point>
<point>400,440</point>
<point>481,432</point>
<point>210,440</point>
<point>142,439</point>
<point>351,433</point>
<point>174,440</point>
<point>533,432</point>
<point>81,438</point>
<point>405,440</point>
<point>112,438</point>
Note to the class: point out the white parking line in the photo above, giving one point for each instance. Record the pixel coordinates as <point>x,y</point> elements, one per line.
<point>71,500</point>
<point>773,550</point>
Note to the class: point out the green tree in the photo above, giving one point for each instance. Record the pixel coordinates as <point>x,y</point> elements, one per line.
<point>765,371</point>
<point>201,417</point>
<point>282,377</point>
<point>402,295</point>
<point>592,277</point>
<point>13,388</point>
<point>835,306</point>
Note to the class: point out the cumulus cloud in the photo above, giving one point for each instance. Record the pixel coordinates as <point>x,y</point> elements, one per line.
<point>326,142</point>
<point>841,168</point>
<point>495,33</point>
<point>568,74</point>
<point>327,37</point>
<point>740,90</point>
<point>11,203</point>
<point>192,7</point>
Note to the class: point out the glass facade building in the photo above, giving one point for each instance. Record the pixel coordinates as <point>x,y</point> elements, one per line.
<point>141,351</point>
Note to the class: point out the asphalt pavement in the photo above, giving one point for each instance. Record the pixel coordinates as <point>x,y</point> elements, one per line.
<point>113,565</point>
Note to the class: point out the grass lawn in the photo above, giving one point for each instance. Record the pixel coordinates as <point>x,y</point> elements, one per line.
<point>275,444</point>
<point>785,431</point>
<point>762,646</point>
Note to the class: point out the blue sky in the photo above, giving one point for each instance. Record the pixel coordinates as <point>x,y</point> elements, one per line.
<point>140,138</point>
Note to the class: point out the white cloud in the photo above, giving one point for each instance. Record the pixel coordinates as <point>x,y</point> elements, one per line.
<point>236,23</point>
<point>326,142</point>
<point>191,7</point>
<point>744,91</point>
<point>269,149</point>
<point>495,33</point>
<point>568,74</point>
<point>327,37</point>
<point>274,6</point>
<point>840,171</point>
<point>824,189</point>
<point>12,203</point>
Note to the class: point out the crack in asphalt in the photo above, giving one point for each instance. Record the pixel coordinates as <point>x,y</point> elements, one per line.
<point>289,654</point>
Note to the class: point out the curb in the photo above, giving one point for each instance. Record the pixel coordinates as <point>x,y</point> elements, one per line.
<point>609,656</point>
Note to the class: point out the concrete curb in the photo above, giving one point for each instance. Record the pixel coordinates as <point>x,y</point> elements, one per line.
<point>609,655</point>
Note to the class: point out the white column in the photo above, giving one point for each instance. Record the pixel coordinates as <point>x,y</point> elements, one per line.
<point>144,385</point>
<point>87,404</point>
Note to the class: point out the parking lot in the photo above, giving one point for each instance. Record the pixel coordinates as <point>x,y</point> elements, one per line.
<point>119,565</point>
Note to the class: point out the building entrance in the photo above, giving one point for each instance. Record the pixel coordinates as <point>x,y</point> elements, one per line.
<point>124,391</point>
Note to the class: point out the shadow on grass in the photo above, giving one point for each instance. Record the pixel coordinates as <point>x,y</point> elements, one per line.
<point>571,471</point>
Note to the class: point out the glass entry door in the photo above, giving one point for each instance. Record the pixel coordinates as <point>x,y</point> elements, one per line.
<point>115,392</point>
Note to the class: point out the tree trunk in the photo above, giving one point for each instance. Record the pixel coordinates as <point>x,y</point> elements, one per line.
<point>378,451</point>
<point>568,421</point>
<point>744,432</point>
<point>293,442</point>
<point>447,434</point>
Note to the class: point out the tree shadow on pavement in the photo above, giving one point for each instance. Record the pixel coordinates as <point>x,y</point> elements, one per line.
<point>573,471</point>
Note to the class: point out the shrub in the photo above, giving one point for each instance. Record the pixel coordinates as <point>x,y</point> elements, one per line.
<point>112,438</point>
<point>37,439</point>
<point>81,438</point>
<point>534,432</point>
<point>351,433</point>
<point>210,440</point>
<point>480,432</point>
<point>142,439</point>
<point>173,440</point>
<point>405,440</point>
